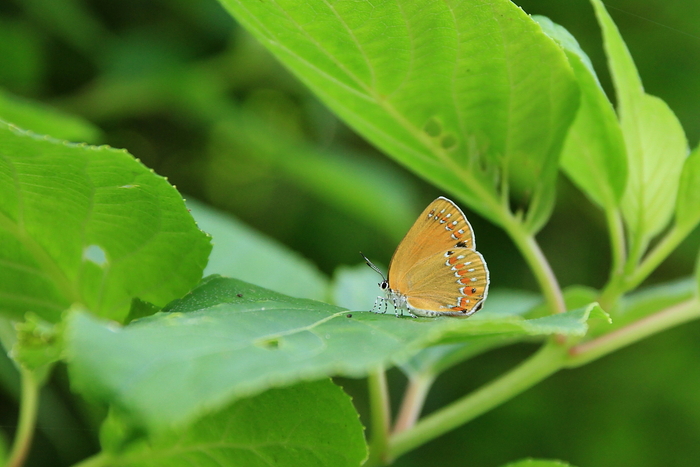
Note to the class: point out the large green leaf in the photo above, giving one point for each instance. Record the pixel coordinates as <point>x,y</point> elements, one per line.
<point>435,359</point>
<point>594,154</point>
<point>89,225</point>
<point>464,94</point>
<point>309,424</point>
<point>356,288</point>
<point>655,142</point>
<point>229,339</point>
<point>241,252</point>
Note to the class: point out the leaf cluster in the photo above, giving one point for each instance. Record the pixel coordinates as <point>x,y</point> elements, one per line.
<point>101,262</point>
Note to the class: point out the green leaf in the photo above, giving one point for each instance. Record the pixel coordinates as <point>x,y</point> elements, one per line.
<point>241,252</point>
<point>39,344</point>
<point>140,309</point>
<point>688,201</point>
<point>571,323</point>
<point>116,433</point>
<point>46,120</point>
<point>229,339</point>
<point>628,85</point>
<point>655,142</point>
<point>594,154</point>
<point>649,300</point>
<point>596,312</point>
<point>463,94</point>
<point>309,424</point>
<point>438,358</point>
<point>657,150</point>
<point>538,463</point>
<point>89,225</point>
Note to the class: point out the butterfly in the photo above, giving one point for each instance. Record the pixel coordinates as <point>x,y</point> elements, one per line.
<point>436,270</point>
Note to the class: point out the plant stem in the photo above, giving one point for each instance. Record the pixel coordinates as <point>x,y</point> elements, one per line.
<point>614,288</point>
<point>633,276</point>
<point>546,361</point>
<point>412,404</point>
<point>29,405</point>
<point>652,324</point>
<point>612,292</point>
<point>659,253</point>
<point>637,247</point>
<point>380,416</point>
<point>532,253</point>
<point>543,363</point>
<point>617,241</point>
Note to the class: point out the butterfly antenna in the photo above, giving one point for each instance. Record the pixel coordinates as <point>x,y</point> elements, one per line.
<point>370,264</point>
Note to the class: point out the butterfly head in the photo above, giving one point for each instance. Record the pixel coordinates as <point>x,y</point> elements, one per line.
<point>384,284</point>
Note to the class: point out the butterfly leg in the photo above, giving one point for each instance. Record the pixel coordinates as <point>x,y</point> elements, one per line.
<point>399,307</point>
<point>398,311</point>
<point>375,308</point>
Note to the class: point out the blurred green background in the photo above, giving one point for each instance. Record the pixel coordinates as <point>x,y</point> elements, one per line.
<point>181,86</point>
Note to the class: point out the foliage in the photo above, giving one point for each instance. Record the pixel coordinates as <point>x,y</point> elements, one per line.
<point>104,271</point>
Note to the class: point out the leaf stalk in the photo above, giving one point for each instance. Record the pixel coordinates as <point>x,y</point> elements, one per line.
<point>380,417</point>
<point>412,404</point>
<point>29,406</point>
<point>543,363</point>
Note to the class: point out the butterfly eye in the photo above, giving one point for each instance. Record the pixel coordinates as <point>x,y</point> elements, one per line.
<point>383,285</point>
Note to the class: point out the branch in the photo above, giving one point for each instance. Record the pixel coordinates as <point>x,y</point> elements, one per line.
<point>539,366</point>
<point>638,330</point>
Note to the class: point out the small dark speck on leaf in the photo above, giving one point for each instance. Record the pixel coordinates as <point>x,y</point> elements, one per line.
<point>239,295</point>
<point>433,127</point>
<point>349,315</point>
<point>270,344</point>
<point>448,142</point>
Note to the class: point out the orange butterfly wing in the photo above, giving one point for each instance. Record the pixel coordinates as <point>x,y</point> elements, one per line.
<point>436,267</point>
<point>451,283</point>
